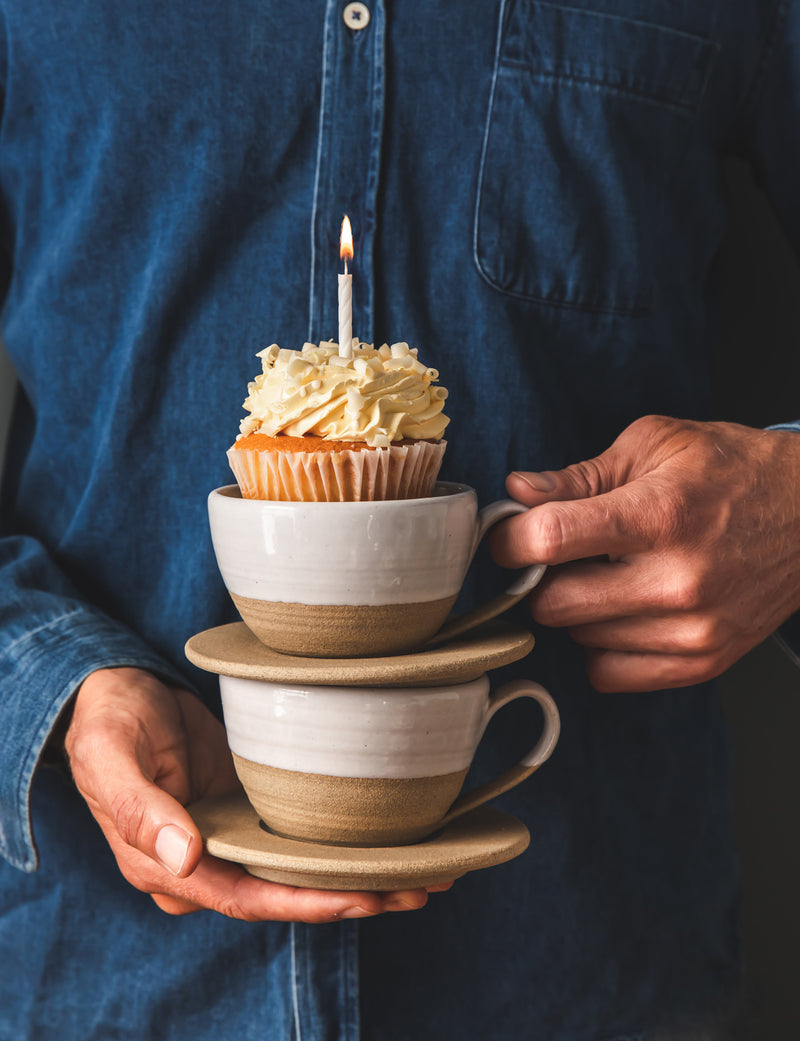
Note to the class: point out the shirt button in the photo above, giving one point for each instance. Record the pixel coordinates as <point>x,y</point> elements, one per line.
<point>356,16</point>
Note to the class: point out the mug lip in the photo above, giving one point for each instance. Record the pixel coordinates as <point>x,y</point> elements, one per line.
<point>449,490</point>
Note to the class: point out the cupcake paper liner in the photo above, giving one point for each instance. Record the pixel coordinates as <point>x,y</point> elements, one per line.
<point>396,472</point>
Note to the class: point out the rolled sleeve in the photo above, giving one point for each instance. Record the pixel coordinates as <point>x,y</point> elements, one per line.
<point>44,658</point>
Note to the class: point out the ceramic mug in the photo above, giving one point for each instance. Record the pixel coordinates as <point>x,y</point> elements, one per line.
<point>355,579</point>
<point>369,766</point>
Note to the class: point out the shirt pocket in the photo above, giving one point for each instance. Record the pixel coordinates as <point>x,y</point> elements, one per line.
<point>588,118</point>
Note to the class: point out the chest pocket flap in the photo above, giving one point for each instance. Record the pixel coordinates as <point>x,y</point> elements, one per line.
<point>588,119</point>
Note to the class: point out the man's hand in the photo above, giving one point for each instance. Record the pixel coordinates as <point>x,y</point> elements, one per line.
<point>139,751</point>
<point>677,550</point>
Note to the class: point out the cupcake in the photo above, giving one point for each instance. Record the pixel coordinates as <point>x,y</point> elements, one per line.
<point>327,428</point>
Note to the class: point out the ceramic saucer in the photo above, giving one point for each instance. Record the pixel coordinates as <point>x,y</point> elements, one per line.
<point>231,830</point>
<point>233,650</point>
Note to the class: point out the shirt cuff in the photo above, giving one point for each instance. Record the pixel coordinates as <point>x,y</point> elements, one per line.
<point>39,672</point>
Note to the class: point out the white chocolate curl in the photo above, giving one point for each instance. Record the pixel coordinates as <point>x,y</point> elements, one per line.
<point>378,396</point>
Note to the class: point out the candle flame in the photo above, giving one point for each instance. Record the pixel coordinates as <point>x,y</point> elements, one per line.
<point>346,241</point>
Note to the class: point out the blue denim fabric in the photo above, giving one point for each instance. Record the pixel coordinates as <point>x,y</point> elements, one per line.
<point>536,199</point>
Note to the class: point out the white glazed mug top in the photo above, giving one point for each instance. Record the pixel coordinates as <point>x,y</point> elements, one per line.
<point>355,731</point>
<point>386,552</point>
<point>377,732</point>
<point>360,554</point>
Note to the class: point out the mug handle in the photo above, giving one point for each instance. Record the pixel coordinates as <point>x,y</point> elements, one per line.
<point>529,763</point>
<point>518,590</point>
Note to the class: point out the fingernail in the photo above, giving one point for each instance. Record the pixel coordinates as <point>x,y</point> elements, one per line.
<point>539,482</point>
<point>355,912</point>
<point>400,905</point>
<point>172,847</point>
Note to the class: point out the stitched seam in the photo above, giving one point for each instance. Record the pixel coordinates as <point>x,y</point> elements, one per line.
<point>751,95</point>
<point>479,194</point>
<point>664,30</point>
<point>295,998</point>
<point>348,979</point>
<point>30,762</point>
<point>633,310</point>
<point>34,632</point>
<point>324,91</point>
<point>638,95</point>
<point>374,160</point>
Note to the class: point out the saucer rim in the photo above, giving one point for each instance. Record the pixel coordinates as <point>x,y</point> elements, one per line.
<point>233,650</point>
<point>484,837</point>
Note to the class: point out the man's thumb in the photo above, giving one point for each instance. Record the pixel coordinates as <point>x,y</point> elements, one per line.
<point>130,807</point>
<point>151,821</point>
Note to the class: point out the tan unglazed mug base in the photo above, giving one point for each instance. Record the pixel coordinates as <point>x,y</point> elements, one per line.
<point>343,631</point>
<point>348,811</point>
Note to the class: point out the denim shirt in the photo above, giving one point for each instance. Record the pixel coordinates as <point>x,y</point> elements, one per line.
<point>536,199</point>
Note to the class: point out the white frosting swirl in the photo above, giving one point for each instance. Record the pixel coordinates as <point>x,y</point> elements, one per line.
<point>379,395</point>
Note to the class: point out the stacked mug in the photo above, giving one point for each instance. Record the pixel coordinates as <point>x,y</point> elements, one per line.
<point>364,763</point>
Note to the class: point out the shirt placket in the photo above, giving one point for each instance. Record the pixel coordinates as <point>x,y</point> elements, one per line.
<point>325,960</point>
<point>348,162</point>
